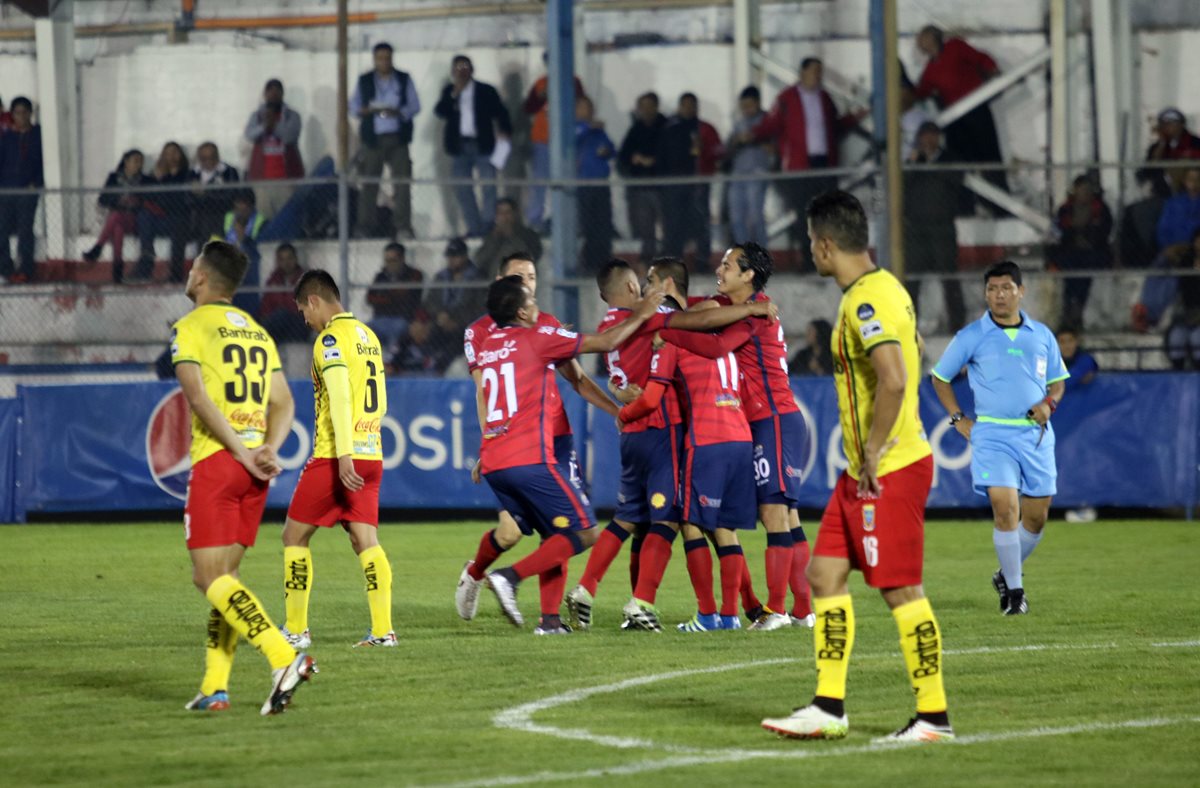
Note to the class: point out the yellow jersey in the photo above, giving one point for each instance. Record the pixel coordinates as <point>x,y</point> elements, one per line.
<point>237,358</point>
<point>348,344</point>
<point>875,310</point>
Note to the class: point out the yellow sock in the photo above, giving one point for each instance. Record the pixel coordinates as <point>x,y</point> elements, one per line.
<point>833,638</point>
<point>378,573</point>
<point>921,643</point>
<point>297,584</point>
<point>219,647</point>
<point>242,610</point>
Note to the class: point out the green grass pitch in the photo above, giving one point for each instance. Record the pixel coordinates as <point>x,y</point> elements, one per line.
<point>101,637</point>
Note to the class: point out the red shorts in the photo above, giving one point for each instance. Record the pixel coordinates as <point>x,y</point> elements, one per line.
<point>224,503</point>
<point>883,538</point>
<point>321,499</point>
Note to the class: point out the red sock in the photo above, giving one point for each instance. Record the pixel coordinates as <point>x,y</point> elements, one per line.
<point>801,594</point>
<point>655,555</point>
<point>635,560</point>
<point>603,553</point>
<point>779,570</point>
<point>489,550</point>
<point>700,570</point>
<point>749,598</point>
<point>553,552</point>
<point>731,578</point>
<point>552,584</point>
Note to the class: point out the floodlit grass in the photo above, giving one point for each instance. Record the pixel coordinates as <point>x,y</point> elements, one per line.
<point>102,633</point>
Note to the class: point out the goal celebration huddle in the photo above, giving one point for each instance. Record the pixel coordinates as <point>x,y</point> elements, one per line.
<point>711,441</point>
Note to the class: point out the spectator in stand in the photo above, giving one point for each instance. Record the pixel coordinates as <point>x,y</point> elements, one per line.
<point>385,102</point>
<point>209,202</point>
<point>688,146</point>
<point>417,353</point>
<point>20,168</point>
<point>1139,224</point>
<point>1174,143</point>
<point>593,151</point>
<point>1085,224</point>
<point>815,358</point>
<point>538,108</point>
<point>452,304</point>
<point>807,127</point>
<point>508,235</point>
<point>278,313</point>
<point>954,70</point>
<point>165,213</point>
<point>638,158</point>
<point>242,226</point>
<point>395,308</point>
<point>747,198</point>
<point>6,118</point>
<point>1080,364</point>
<point>1183,335</point>
<point>912,117</point>
<point>274,128</point>
<point>122,208</point>
<point>476,122</point>
<point>1181,213</point>
<point>930,237</point>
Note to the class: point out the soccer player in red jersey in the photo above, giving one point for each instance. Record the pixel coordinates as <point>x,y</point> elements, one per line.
<point>506,533</point>
<point>776,424</point>
<point>516,455</point>
<point>717,486</point>
<point>651,449</point>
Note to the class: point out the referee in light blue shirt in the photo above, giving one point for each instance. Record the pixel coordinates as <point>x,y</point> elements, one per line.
<point>1017,375</point>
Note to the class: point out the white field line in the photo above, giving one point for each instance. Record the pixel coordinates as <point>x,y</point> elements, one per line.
<point>520,718</point>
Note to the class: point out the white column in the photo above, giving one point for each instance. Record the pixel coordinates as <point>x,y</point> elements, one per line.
<point>1060,144</point>
<point>1105,80</point>
<point>58,115</point>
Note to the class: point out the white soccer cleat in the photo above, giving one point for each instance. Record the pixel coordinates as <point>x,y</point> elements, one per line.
<point>385,641</point>
<point>809,722</point>
<point>640,616</point>
<point>466,596</point>
<point>506,595</point>
<point>768,622</point>
<point>579,608</point>
<point>809,621</point>
<point>919,731</point>
<point>285,681</point>
<point>299,641</point>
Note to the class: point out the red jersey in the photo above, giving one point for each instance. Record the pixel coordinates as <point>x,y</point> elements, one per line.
<point>473,340</point>
<point>708,395</point>
<point>630,363</point>
<point>519,390</point>
<point>762,355</point>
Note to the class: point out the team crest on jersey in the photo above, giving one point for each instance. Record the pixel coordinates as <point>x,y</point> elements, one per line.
<point>869,517</point>
<point>236,319</point>
<point>658,500</point>
<point>328,340</point>
<point>469,334</point>
<point>865,312</point>
<point>1041,366</point>
<point>562,522</point>
<point>362,334</point>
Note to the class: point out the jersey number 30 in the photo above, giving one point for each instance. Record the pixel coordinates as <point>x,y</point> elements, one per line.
<point>491,386</point>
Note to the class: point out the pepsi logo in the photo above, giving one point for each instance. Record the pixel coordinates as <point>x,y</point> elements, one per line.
<point>168,441</point>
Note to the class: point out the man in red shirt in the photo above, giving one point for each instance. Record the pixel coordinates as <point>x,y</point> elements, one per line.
<point>651,447</point>
<point>776,423</point>
<point>516,456</point>
<point>507,533</point>
<point>808,128</point>
<point>954,70</point>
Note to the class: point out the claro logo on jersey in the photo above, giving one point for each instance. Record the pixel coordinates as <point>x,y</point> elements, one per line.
<point>168,440</point>
<point>499,354</point>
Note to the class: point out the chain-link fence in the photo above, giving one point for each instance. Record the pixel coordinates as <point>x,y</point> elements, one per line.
<point>97,275</point>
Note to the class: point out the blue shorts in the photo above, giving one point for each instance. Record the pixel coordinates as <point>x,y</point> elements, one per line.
<point>542,498</point>
<point>564,454</point>
<point>649,491</point>
<point>1009,456</point>
<point>779,446</point>
<point>717,488</point>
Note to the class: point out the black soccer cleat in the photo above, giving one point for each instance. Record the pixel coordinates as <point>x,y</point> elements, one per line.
<point>1001,587</point>
<point>1015,603</point>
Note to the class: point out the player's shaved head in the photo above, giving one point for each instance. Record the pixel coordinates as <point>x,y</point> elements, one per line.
<point>839,217</point>
<point>674,269</point>
<point>757,259</point>
<point>506,297</point>
<point>225,265</point>
<point>319,283</point>
<point>610,276</point>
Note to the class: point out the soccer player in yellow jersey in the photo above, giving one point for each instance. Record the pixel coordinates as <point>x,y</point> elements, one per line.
<point>340,482</point>
<point>242,410</point>
<point>875,518</point>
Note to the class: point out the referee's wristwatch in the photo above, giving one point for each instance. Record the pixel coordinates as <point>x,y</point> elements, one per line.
<point>956,417</point>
